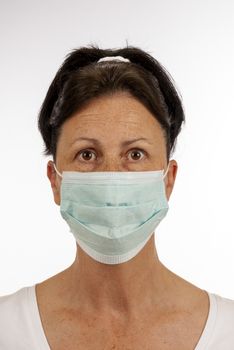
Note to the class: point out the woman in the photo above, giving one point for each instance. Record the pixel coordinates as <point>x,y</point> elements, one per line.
<point>110,120</point>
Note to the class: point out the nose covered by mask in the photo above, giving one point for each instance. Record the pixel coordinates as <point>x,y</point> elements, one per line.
<point>112,215</point>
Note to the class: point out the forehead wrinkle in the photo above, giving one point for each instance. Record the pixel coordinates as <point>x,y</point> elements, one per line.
<point>131,130</point>
<point>123,143</point>
<point>117,106</point>
<point>118,116</point>
<point>107,123</point>
<point>96,117</point>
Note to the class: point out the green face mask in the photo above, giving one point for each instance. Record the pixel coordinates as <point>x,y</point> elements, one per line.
<point>112,215</point>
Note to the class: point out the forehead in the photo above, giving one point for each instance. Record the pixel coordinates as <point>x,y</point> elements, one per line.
<point>116,116</point>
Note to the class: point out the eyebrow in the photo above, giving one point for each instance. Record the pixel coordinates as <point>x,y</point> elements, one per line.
<point>124,143</point>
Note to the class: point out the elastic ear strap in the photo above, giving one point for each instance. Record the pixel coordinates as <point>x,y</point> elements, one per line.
<point>113,58</point>
<point>59,174</point>
<point>165,174</point>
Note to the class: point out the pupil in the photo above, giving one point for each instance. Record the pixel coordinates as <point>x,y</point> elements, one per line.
<point>136,153</point>
<point>87,153</point>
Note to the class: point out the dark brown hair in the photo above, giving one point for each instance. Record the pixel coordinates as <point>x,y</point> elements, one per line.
<point>80,79</point>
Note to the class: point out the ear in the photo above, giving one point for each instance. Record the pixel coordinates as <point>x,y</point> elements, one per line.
<point>170,177</point>
<point>55,181</point>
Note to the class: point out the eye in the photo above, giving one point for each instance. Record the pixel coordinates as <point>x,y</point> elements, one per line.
<point>86,154</point>
<point>135,154</point>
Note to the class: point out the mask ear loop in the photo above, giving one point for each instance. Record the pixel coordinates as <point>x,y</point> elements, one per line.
<point>165,174</point>
<point>59,174</point>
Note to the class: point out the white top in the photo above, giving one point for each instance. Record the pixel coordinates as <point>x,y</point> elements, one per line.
<point>21,327</point>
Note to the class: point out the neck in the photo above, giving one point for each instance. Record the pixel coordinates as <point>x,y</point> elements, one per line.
<point>130,287</point>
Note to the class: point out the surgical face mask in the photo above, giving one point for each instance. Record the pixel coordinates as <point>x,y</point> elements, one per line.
<point>112,215</point>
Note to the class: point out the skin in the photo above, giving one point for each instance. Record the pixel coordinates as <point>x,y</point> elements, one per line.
<point>125,293</point>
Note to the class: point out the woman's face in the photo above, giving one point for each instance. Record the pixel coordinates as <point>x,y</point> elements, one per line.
<point>111,133</point>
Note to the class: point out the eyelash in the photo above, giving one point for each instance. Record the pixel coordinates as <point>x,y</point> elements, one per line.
<point>90,150</point>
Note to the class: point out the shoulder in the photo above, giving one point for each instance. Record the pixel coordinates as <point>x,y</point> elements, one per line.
<point>223,326</point>
<point>14,319</point>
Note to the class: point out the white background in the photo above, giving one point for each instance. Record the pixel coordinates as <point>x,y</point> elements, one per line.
<point>194,40</point>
